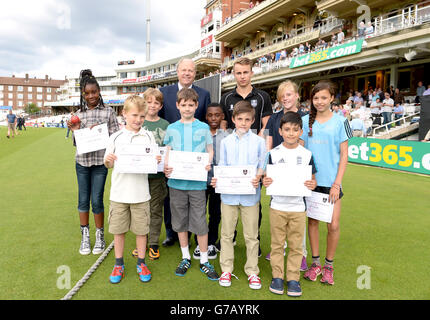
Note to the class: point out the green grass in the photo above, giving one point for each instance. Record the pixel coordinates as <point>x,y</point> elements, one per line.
<point>384,225</point>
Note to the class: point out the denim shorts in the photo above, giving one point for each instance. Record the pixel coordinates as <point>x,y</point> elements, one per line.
<point>91,185</point>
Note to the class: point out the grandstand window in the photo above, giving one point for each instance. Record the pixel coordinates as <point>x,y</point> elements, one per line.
<point>20,88</point>
<point>277,33</point>
<point>261,40</point>
<point>1,87</point>
<point>29,89</point>
<point>10,95</point>
<point>39,89</point>
<point>10,88</point>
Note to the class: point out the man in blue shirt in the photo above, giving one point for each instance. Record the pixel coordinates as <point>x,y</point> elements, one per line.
<point>11,124</point>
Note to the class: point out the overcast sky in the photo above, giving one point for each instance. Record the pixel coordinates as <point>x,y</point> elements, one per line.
<point>61,37</point>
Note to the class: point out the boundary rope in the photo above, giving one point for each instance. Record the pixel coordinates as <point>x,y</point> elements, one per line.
<point>87,275</point>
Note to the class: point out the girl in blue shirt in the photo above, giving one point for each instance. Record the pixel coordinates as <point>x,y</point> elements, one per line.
<point>326,134</point>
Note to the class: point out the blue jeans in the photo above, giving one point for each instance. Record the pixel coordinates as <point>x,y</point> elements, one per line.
<point>91,185</point>
<point>387,117</point>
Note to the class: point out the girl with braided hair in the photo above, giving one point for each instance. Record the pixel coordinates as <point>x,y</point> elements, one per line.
<point>90,170</point>
<point>326,134</point>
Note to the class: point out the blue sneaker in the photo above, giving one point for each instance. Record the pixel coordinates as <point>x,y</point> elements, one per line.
<point>183,267</point>
<point>117,274</point>
<point>277,286</point>
<point>143,272</point>
<point>209,270</point>
<point>294,289</point>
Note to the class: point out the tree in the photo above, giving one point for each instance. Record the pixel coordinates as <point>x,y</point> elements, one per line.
<point>31,108</point>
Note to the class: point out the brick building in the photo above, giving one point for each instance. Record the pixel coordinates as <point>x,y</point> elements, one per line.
<point>19,92</point>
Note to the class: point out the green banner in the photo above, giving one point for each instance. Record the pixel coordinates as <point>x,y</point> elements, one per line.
<point>327,54</point>
<point>412,156</point>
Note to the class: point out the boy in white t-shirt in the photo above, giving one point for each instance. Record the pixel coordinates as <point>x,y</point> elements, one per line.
<point>129,194</point>
<point>287,214</point>
<point>387,108</point>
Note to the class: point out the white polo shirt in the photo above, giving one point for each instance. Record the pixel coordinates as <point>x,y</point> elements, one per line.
<point>387,108</point>
<point>129,187</point>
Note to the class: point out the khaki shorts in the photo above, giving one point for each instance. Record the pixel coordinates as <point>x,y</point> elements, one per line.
<point>124,217</point>
<point>11,126</point>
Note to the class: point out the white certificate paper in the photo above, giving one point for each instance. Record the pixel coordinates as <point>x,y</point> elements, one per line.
<point>162,153</point>
<point>288,180</point>
<point>89,140</point>
<point>188,165</point>
<point>136,158</point>
<point>234,179</point>
<point>318,207</point>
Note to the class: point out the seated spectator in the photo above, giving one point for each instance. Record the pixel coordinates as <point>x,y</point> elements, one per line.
<point>337,110</point>
<point>301,48</point>
<point>357,126</point>
<point>398,97</point>
<point>358,98</point>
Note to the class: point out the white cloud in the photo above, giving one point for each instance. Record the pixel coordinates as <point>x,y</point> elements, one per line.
<point>60,38</point>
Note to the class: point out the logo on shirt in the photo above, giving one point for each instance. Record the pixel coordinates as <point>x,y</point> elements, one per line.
<point>99,130</point>
<point>148,150</point>
<point>325,200</point>
<point>299,160</point>
<point>245,172</point>
<point>199,158</point>
<point>231,107</point>
<point>254,103</point>
<point>281,161</point>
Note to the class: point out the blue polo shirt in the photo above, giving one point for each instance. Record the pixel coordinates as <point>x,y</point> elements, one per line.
<point>235,151</point>
<point>325,146</point>
<point>191,137</point>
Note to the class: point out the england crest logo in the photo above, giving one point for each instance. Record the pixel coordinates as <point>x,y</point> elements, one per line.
<point>245,172</point>
<point>254,103</point>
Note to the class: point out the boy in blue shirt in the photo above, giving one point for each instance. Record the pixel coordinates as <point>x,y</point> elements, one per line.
<point>188,198</point>
<point>241,148</point>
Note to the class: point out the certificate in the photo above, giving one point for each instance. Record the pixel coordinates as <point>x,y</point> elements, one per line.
<point>136,158</point>
<point>188,165</point>
<point>89,140</point>
<point>288,180</point>
<point>162,153</point>
<point>318,207</point>
<point>234,179</point>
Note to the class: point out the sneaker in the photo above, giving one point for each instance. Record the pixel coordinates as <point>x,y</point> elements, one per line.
<point>294,289</point>
<point>304,265</point>
<point>285,253</point>
<point>212,252</point>
<point>313,272</point>
<point>100,244</point>
<point>183,267</point>
<point>268,257</point>
<point>327,275</point>
<point>117,274</point>
<point>254,282</point>
<point>154,253</point>
<point>277,286</point>
<point>209,270</point>
<point>143,272</point>
<point>134,253</point>
<point>196,253</point>
<point>85,247</point>
<point>169,242</point>
<point>225,279</point>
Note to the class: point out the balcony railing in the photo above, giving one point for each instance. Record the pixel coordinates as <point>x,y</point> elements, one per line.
<point>324,27</point>
<point>409,17</point>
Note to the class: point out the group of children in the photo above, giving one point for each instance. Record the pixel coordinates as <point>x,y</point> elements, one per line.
<point>318,139</point>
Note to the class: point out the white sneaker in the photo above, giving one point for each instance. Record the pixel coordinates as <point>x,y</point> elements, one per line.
<point>100,244</point>
<point>85,247</point>
<point>212,252</point>
<point>225,279</point>
<point>254,282</point>
<point>196,253</point>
